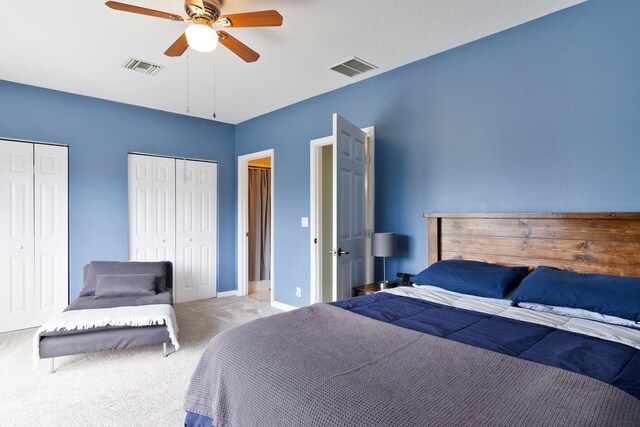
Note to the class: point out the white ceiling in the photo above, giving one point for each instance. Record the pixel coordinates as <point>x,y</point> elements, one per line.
<point>79,46</point>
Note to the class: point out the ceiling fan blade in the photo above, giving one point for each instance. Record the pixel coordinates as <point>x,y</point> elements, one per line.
<point>265,18</point>
<point>237,47</point>
<point>178,47</point>
<point>143,11</point>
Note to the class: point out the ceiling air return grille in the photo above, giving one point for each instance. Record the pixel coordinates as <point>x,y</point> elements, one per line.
<point>353,67</point>
<point>141,66</point>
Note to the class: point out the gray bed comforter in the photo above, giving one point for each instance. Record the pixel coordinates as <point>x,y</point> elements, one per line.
<point>323,366</point>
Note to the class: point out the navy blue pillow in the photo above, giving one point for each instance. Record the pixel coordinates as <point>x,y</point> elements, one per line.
<point>472,277</point>
<point>612,295</point>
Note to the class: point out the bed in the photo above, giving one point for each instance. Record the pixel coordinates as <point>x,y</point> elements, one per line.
<point>428,356</point>
<point>144,317</point>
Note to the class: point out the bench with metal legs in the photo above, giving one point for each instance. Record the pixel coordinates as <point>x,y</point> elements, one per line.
<point>52,359</point>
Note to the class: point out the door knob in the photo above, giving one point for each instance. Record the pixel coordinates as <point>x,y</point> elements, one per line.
<point>338,252</point>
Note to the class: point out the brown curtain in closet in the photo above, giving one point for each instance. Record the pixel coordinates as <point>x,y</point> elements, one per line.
<point>259,224</point>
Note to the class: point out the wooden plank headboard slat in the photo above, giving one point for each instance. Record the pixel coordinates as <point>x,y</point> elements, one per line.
<point>607,243</point>
<point>623,230</point>
<point>538,215</point>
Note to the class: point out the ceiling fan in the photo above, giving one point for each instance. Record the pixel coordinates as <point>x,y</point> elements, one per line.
<point>201,35</point>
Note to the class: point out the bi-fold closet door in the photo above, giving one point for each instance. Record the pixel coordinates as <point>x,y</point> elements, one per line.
<point>173,217</point>
<point>34,260</point>
<point>152,208</point>
<point>196,225</point>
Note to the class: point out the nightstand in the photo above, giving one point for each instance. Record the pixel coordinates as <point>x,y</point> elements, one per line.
<point>372,288</point>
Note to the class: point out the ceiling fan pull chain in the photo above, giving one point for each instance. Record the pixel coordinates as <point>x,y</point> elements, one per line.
<point>187,82</point>
<point>214,86</point>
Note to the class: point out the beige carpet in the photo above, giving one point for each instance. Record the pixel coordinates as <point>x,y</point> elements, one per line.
<point>135,387</point>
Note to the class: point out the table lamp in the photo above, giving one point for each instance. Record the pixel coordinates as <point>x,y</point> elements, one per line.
<point>383,245</point>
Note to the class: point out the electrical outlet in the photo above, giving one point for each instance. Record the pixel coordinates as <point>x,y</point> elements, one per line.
<point>298,292</point>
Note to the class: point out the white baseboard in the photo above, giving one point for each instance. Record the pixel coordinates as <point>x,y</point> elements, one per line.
<point>233,293</point>
<point>283,306</point>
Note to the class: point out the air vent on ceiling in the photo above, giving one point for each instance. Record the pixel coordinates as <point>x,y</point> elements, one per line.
<point>142,66</point>
<point>353,67</point>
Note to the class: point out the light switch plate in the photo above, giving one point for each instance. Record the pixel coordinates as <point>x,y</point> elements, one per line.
<point>304,222</point>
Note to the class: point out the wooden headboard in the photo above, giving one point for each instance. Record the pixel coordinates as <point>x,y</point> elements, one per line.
<point>607,243</point>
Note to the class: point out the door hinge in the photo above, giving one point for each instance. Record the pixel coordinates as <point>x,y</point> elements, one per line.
<point>315,240</point>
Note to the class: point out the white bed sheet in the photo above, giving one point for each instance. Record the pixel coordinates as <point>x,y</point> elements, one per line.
<point>616,333</point>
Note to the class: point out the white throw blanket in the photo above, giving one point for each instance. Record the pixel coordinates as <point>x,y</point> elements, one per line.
<point>140,315</point>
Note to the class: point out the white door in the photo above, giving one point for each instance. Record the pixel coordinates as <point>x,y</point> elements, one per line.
<point>34,282</point>
<point>196,230</point>
<point>152,207</point>
<point>51,258</point>
<point>349,206</point>
<point>17,305</point>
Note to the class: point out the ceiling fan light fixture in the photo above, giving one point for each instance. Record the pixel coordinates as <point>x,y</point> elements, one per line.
<point>202,37</point>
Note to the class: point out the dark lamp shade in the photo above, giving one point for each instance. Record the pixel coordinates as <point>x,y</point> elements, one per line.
<point>383,244</point>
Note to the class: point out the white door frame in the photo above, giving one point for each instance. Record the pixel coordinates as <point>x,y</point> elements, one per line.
<point>315,227</point>
<point>243,225</point>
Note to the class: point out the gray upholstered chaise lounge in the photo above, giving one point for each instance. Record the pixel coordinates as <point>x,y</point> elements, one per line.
<point>68,342</point>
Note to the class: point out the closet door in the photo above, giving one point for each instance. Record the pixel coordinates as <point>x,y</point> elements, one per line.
<point>51,260</point>
<point>17,305</point>
<point>151,208</point>
<point>196,230</point>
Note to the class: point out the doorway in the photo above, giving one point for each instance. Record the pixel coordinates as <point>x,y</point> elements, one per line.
<point>259,228</point>
<point>323,217</point>
<point>255,225</point>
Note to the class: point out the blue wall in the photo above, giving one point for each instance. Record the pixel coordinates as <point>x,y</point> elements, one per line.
<point>542,117</point>
<point>99,134</point>
<point>545,116</point>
